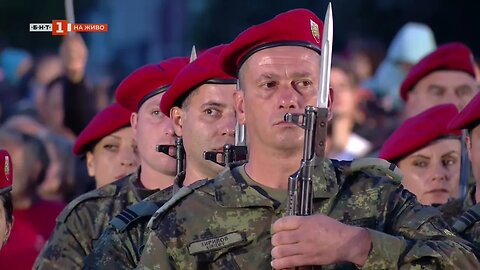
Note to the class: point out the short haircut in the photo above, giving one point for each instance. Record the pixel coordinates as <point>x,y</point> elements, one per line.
<point>34,147</point>
<point>6,199</point>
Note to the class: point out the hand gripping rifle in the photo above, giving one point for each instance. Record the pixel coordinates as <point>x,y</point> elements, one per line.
<point>314,122</point>
<point>231,153</point>
<point>178,153</point>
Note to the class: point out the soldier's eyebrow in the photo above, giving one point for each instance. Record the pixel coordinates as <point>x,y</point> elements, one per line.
<point>453,152</point>
<point>265,76</point>
<point>419,156</point>
<point>303,74</point>
<point>463,86</point>
<point>212,103</point>
<point>434,86</point>
<point>113,137</point>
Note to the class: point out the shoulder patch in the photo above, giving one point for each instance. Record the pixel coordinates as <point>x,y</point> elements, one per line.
<point>216,243</point>
<point>178,196</point>
<point>467,219</point>
<point>133,213</point>
<point>377,167</point>
<point>103,192</point>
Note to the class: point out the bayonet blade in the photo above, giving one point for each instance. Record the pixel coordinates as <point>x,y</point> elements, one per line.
<point>193,54</point>
<point>326,59</point>
<point>240,135</point>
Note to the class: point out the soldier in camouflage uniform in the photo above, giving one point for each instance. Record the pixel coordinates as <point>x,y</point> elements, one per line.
<point>82,222</point>
<point>430,157</point>
<point>464,214</point>
<point>238,220</point>
<point>200,104</point>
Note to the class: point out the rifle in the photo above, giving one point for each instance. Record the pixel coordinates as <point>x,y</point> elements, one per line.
<point>231,153</point>
<point>464,166</point>
<point>70,13</point>
<point>178,154</point>
<point>314,122</point>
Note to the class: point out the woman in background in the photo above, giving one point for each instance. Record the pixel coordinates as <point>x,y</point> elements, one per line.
<point>428,153</point>
<point>108,146</point>
<point>6,208</point>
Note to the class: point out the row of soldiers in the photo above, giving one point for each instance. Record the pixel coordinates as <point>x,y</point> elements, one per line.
<point>235,217</point>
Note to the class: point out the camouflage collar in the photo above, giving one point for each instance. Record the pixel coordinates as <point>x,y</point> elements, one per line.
<point>178,181</point>
<point>231,190</point>
<point>469,201</point>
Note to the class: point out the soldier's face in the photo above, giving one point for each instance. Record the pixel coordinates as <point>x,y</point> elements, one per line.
<point>433,172</point>
<point>206,122</point>
<point>276,81</point>
<point>4,225</point>
<point>150,128</point>
<point>345,93</point>
<point>441,87</point>
<point>113,157</point>
<point>473,146</point>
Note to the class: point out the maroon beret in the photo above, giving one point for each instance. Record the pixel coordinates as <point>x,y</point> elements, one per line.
<point>6,175</point>
<point>418,131</point>
<point>205,69</point>
<point>450,56</point>
<point>297,27</point>
<point>469,117</point>
<point>148,81</point>
<point>107,121</point>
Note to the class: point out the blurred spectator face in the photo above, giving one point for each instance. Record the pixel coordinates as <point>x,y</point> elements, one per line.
<point>48,69</point>
<point>362,65</point>
<point>59,178</point>
<point>31,161</point>
<point>23,180</point>
<point>441,87</point>
<point>53,110</point>
<point>473,146</point>
<point>53,178</point>
<point>433,172</point>
<point>206,122</point>
<point>6,218</point>
<point>113,157</point>
<point>26,124</point>
<point>344,103</point>
<point>150,128</point>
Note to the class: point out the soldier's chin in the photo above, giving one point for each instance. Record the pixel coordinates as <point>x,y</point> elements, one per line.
<point>436,198</point>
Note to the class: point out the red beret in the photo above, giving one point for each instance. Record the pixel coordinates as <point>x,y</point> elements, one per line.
<point>205,69</point>
<point>297,27</point>
<point>418,131</point>
<point>6,175</point>
<point>107,121</point>
<point>451,56</point>
<point>469,117</point>
<point>148,81</point>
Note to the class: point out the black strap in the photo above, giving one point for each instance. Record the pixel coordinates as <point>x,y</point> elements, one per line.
<point>470,217</point>
<point>132,214</point>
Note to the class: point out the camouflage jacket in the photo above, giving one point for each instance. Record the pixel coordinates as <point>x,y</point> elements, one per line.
<point>226,224</point>
<point>464,216</point>
<point>120,247</point>
<point>84,219</point>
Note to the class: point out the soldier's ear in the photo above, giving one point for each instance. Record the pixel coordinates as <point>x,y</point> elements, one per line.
<point>468,142</point>
<point>330,103</point>
<point>239,102</point>
<point>90,160</point>
<point>133,123</point>
<point>176,116</point>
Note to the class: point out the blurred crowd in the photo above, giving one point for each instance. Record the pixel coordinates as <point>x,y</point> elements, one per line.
<point>46,101</point>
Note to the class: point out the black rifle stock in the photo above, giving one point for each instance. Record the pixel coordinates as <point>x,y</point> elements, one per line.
<point>178,153</point>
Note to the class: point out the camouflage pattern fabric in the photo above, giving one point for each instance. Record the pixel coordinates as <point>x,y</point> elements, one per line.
<point>83,221</point>
<point>455,208</point>
<point>117,249</point>
<point>226,225</point>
